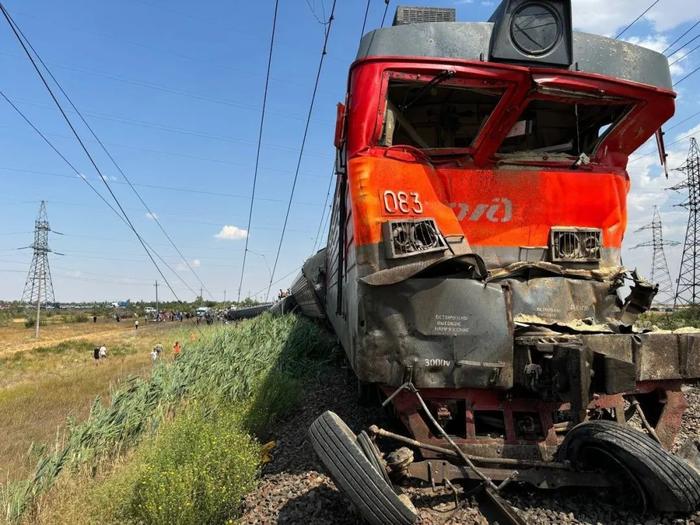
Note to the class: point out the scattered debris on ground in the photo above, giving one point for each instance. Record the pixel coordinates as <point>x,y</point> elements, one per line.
<point>295,489</point>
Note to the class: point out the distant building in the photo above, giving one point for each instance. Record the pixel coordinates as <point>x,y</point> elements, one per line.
<point>412,15</point>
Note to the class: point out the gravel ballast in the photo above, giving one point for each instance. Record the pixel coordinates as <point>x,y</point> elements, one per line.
<point>294,488</point>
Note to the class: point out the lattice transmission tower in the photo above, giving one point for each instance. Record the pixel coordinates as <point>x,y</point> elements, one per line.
<point>38,289</point>
<point>659,266</point>
<point>688,284</point>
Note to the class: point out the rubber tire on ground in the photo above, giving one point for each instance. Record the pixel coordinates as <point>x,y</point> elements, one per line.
<point>337,447</point>
<point>671,485</point>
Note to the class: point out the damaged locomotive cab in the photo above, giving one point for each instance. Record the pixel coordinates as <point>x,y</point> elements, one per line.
<point>473,260</point>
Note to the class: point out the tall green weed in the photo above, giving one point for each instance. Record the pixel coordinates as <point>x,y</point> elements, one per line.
<point>196,471</point>
<point>258,365</point>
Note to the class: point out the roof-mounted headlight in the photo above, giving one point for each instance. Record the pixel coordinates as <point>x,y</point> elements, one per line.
<point>530,31</point>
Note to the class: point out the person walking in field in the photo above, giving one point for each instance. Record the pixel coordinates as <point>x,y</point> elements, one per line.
<point>154,355</point>
<point>136,324</point>
<point>103,352</point>
<point>176,349</point>
<point>96,355</point>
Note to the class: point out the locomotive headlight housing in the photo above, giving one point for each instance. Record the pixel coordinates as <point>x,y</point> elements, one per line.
<point>575,244</point>
<point>528,31</point>
<point>409,237</point>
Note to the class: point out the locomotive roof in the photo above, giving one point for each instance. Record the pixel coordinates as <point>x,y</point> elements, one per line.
<point>470,41</point>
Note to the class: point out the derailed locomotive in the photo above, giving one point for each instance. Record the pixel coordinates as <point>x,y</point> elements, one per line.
<point>473,270</point>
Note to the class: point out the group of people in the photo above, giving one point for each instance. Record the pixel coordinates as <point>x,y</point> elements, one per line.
<point>172,316</point>
<point>99,353</point>
<point>158,350</point>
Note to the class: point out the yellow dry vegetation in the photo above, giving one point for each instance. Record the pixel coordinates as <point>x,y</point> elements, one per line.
<point>44,383</point>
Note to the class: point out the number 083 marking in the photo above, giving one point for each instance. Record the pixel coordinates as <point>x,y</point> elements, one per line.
<point>402,202</point>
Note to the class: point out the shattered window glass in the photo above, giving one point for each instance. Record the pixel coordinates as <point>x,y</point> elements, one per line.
<point>547,126</point>
<point>435,116</point>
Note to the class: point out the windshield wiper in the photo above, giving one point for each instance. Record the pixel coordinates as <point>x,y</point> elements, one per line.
<point>438,79</point>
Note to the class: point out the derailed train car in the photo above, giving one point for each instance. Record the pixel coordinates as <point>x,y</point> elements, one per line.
<point>473,271</point>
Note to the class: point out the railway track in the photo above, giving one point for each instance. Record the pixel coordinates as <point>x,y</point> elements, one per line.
<point>296,489</point>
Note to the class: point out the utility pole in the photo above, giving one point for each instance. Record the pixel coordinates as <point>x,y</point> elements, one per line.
<point>38,287</point>
<point>224,295</point>
<point>688,284</point>
<point>157,312</point>
<point>201,295</point>
<point>659,266</point>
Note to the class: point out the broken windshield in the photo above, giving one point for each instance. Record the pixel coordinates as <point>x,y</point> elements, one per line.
<point>436,115</point>
<point>570,128</point>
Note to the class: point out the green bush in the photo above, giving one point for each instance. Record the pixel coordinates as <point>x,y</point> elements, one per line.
<point>76,318</point>
<point>65,346</point>
<point>30,322</point>
<point>679,318</point>
<point>196,471</point>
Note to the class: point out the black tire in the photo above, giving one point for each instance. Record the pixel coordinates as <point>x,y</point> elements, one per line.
<point>338,449</point>
<point>668,482</point>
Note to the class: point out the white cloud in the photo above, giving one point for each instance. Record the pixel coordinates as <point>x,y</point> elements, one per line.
<point>152,216</point>
<point>232,233</point>
<point>609,16</point>
<point>193,263</point>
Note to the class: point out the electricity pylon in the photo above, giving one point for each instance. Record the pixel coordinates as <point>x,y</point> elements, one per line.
<point>659,266</point>
<point>38,288</point>
<point>688,284</point>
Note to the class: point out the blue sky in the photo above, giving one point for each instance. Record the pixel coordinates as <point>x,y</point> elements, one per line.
<point>175,92</point>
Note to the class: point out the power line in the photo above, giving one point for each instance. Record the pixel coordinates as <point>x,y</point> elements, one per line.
<point>364,20</point>
<point>636,19</point>
<point>386,8</point>
<point>679,139</point>
<point>303,141</point>
<point>688,75</point>
<point>156,186</point>
<point>684,56</point>
<point>677,39</point>
<point>147,246</point>
<point>257,153</point>
<point>109,155</point>
<point>323,211</point>
<point>166,89</point>
<point>80,141</point>
<point>313,12</point>
<point>683,45</point>
<point>172,129</point>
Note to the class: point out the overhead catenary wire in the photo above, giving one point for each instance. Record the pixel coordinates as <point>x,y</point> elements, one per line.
<point>152,215</point>
<point>323,220</point>
<point>323,210</point>
<point>687,76</point>
<point>636,19</point>
<point>84,148</point>
<point>386,8</point>
<point>257,152</point>
<point>683,57</point>
<point>364,20</point>
<point>147,246</point>
<point>677,39</point>
<point>684,45</point>
<point>303,141</point>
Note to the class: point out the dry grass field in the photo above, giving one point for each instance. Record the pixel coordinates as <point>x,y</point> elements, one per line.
<point>45,382</point>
